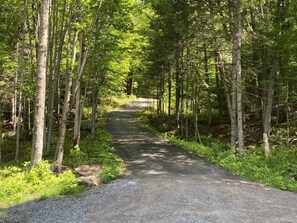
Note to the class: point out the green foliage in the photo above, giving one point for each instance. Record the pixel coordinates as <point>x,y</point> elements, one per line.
<point>77,156</point>
<point>19,184</point>
<point>279,170</point>
<point>279,136</point>
<point>98,149</point>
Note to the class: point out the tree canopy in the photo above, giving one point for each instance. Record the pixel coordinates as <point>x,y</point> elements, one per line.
<point>206,62</point>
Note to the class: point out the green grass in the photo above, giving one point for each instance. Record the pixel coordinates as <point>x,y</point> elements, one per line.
<point>279,170</point>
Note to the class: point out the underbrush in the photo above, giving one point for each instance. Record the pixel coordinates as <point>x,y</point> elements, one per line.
<point>279,170</point>
<point>98,149</point>
<point>19,184</point>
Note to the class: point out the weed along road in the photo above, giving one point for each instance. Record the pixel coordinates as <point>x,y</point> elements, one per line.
<point>165,184</point>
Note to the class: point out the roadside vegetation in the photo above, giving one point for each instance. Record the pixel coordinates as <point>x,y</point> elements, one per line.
<point>279,170</point>
<point>19,183</point>
<point>222,73</point>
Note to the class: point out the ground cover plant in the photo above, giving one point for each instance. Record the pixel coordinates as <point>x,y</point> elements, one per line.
<point>19,182</point>
<point>278,170</point>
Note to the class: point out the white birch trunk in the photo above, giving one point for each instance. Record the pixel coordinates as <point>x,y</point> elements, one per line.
<point>37,148</point>
<point>237,69</point>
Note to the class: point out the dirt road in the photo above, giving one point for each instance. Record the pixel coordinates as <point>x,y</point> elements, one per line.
<point>166,184</point>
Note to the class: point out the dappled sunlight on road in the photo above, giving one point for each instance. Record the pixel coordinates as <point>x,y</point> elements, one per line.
<point>170,177</point>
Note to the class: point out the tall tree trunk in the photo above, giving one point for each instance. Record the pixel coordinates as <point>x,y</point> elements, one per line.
<point>21,77</point>
<point>158,100</point>
<point>36,155</point>
<point>82,105</point>
<point>77,87</point>
<point>236,51</point>
<point>169,95</point>
<point>162,86</point>
<point>218,88</point>
<point>86,53</point>
<point>62,130</point>
<point>267,113</point>
<point>77,121</point>
<point>51,59</point>
<point>94,106</point>
<point>206,71</point>
<point>257,99</point>
<point>54,81</point>
<point>182,101</point>
<point>225,81</point>
<point>236,89</point>
<point>29,114</point>
<point>15,95</point>
<point>177,90</point>
<point>129,85</point>
<point>187,92</point>
<point>196,106</point>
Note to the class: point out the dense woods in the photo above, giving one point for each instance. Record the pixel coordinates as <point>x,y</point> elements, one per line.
<point>233,59</point>
<point>59,58</point>
<point>224,69</point>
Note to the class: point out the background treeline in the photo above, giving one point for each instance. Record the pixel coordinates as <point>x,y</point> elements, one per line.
<point>227,68</point>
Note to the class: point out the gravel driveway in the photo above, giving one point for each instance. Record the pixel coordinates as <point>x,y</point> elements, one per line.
<point>163,184</point>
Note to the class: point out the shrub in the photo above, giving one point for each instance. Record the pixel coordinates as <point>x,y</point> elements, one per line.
<point>21,184</point>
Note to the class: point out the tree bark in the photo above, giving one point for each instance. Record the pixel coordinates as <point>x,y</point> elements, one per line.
<point>169,94</point>
<point>21,77</point>
<point>94,107</point>
<point>267,113</point>
<point>218,89</point>
<point>37,148</point>
<point>196,105</point>
<point>86,54</point>
<point>237,38</point>
<point>223,76</point>
<point>187,92</point>
<point>177,90</point>
<point>206,71</point>
<point>54,81</point>
<point>1,131</point>
<point>77,121</point>
<point>77,87</point>
<point>62,130</point>
<point>129,84</point>
<point>14,99</point>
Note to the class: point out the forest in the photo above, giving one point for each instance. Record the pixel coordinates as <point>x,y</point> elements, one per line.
<point>222,73</point>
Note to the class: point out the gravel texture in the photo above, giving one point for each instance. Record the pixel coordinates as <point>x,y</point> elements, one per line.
<point>163,184</point>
